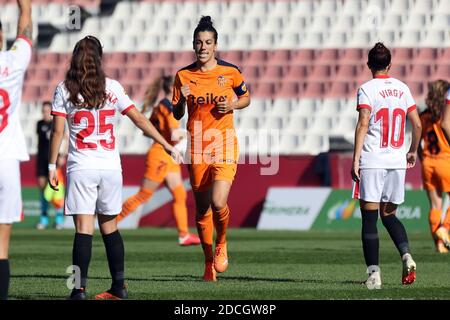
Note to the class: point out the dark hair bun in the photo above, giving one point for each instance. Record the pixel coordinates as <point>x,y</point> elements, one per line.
<point>205,20</point>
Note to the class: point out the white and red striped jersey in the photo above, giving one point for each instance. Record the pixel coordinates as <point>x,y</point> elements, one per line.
<point>13,64</point>
<point>447,99</point>
<point>92,142</point>
<point>389,101</point>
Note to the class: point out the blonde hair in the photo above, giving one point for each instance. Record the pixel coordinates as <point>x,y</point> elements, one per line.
<point>164,83</point>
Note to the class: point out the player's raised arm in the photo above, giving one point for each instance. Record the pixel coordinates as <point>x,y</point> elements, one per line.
<point>25,25</point>
<point>150,131</point>
<point>241,92</point>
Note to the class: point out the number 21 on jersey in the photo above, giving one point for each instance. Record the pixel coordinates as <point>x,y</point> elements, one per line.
<point>393,127</point>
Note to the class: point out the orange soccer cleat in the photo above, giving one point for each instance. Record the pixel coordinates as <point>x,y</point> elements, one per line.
<point>210,273</point>
<point>221,258</point>
<point>440,247</point>
<point>442,234</point>
<point>189,240</point>
<point>113,294</point>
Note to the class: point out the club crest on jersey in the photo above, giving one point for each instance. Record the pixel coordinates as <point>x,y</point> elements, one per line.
<point>221,80</point>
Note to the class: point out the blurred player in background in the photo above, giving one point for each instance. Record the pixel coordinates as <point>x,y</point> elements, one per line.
<point>43,129</point>
<point>380,161</point>
<point>160,166</point>
<point>89,101</point>
<point>209,88</point>
<point>435,156</point>
<point>13,64</point>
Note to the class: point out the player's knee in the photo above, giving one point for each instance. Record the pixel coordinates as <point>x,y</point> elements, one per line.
<point>218,204</point>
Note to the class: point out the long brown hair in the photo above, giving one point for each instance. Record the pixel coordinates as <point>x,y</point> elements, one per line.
<point>435,100</point>
<point>85,76</point>
<point>165,83</point>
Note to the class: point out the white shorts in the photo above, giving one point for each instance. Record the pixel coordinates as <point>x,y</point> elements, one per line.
<point>10,192</point>
<point>380,185</point>
<point>93,191</point>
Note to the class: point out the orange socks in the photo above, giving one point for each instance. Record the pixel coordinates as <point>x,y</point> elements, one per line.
<point>205,230</point>
<point>134,201</point>
<point>435,219</point>
<point>446,223</point>
<point>180,210</point>
<point>221,218</point>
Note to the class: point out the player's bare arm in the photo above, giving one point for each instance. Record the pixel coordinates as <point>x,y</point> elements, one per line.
<point>150,131</point>
<point>360,132</point>
<point>416,125</point>
<point>445,122</point>
<point>56,137</point>
<point>179,108</point>
<point>25,25</point>
<point>227,106</point>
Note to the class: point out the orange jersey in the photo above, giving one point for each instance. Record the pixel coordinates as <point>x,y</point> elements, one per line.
<point>434,143</point>
<point>223,83</point>
<point>163,120</point>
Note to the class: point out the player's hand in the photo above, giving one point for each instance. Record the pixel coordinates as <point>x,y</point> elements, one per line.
<point>185,91</point>
<point>174,153</point>
<point>355,172</point>
<point>225,106</point>
<point>411,158</point>
<point>53,180</point>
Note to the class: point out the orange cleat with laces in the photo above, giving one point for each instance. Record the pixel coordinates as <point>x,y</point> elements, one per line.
<point>221,258</point>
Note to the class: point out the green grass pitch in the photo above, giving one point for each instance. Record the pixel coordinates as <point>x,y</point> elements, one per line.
<point>263,265</point>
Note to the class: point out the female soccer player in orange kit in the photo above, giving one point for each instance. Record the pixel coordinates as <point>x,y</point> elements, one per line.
<point>435,156</point>
<point>160,166</point>
<point>212,89</point>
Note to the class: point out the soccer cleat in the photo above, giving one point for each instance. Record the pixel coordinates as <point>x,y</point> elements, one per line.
<point>58,226</point>
<point>374,280</point>
<point>113,294</point>
<point>210,273</point>
<point>409,269</point>
<point>442,234</point>
<point>43,223</point>
<point>78,294</point>
<point>59,222</point>
<point>221,258</point>
<point>189,240</point>
<point>440,247</point>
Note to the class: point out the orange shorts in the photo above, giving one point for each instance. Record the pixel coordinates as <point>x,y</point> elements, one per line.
<point>203,175</point>
<point>436,174</point>
<point>159,163</point>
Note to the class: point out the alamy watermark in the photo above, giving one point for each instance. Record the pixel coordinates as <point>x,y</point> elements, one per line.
<point>74,280</point>
<point>228,146</point>
<point>74,18</point>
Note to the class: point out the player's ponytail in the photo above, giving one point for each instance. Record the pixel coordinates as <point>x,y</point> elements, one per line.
<point>85,77</point>
<point>379,57</point>
<point>165,83</point>
<point>436,97</point>
<point>206,24</point>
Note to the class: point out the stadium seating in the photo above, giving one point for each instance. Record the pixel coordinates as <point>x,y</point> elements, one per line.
<point>302,60</point>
